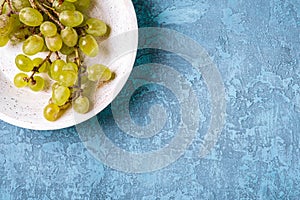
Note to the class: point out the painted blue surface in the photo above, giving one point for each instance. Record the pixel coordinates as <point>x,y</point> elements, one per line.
<point>256,46</point>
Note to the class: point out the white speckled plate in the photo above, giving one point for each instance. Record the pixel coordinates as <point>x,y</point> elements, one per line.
<point>24,108</point>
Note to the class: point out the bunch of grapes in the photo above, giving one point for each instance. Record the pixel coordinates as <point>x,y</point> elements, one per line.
<point>60,28</point>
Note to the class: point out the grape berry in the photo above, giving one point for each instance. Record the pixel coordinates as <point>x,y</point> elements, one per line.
<point>61,28</point>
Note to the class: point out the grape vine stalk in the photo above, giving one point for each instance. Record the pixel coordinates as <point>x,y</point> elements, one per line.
<point>63,29</point>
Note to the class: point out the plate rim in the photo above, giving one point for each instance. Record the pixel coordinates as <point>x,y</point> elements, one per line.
<point>71,123</point>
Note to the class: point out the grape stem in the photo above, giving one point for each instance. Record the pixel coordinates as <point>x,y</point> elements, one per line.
<point>78,86</point>
<point>42,8</point>
<point>32,3</point>
<point>81,30</point>
<point>78,62</point>
<point>36,68</point>
<point>10,7</point>
<point>77,57</point>
<point>50,1</point>
<point>50,8</point>
<point>2,5</point>
<point>57,55</point>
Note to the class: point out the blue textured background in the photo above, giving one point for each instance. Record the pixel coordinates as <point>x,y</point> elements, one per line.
<point>256,46</point>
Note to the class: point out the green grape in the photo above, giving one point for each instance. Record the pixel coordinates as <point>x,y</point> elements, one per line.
<point>54,43</point>
<point>3,40</point>
<point>71,18</point>
<point>55,85</point>
<point>33,45</point>
<point>66,50</point>
<point>67,78</point>
<point>30,16</point>
<point>37,61</point>
<point>64,6</point>
<point>70,66</point>
<point>37,84</point>
<point>60,95</point>
<point>45,49</point>
<point>19,4</point>
<point>20,80</point>
<point>69,36</point>
<point>84,79</point>
<point>48,29</point>
<point>19,35</point>
<point>56,68</point>
<point>51,112</point>
<point>71,57</point>
<point>106,75</point>
<point>99,72</point>
<point>96,27</point>
<point>6,25</point>
<point>89,46</point>
<point>82,5</point>
<point>44,68</point>
<point>16,26</point>
<point>24,63</point>
<point>72,1</point>
<point>81,105</point>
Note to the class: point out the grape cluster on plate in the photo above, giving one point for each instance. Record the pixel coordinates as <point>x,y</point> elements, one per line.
<point>60,28</point>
